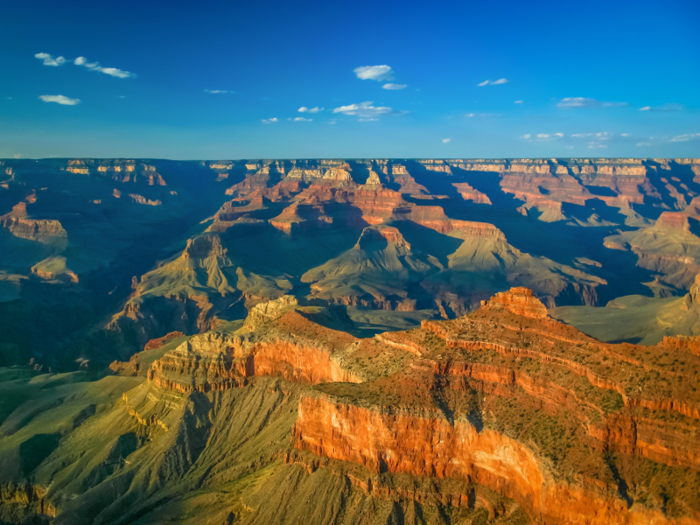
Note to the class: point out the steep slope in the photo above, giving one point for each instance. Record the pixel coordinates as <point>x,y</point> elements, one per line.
<point>377,272</point>
<point>503,416</point>
<point>670,247</point>
<point>638,319</point>
<point>483,264</point>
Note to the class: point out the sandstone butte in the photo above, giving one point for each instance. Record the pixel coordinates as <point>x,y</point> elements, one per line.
<point>567,428</point>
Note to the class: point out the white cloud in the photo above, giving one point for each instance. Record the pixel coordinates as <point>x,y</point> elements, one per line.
<point>595,140</point>
<point>368,119</point>
<point>581,102</point>
<point>482,115</point>
<point>219,91</point>
<point>270,120</point>
<point>18,156</point>
<point>374,72</point>
<point>518,102</point>
<point>364,110</point>
<point>664,108</point>
<point>49,60</point>
<point>685,137</point>
<point>642,144</point>
<point>111,71</point>
<point>304,109</point>
<point>60,99</point>
<point>300,119</point>
<point>394,87</point>
<point>543,136</point>
<point>493,82</point>
<point>445,141</point>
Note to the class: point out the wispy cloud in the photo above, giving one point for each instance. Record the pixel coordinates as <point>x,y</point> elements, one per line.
<point>664,108</point>
<point>304,109</point>
<point>597,140</point>
<point>368,119</point>
<point>111,71</point>
<point>581,102</point>
<point>300,119</point>
<point>50,60</point>
<point>642,144</point>
<point>686,137</point>
<point>493,82</point>
<point>601,135</point>
<point>60,99</point>
<point>394,87</point>
<point>518,102</point>
<point>82,61</point>
<point>482,115</point>
<point>219,91</point>
<point>364,110</point>
<point>374,73</point>
<point>270,120</point>
<point>445,141</point>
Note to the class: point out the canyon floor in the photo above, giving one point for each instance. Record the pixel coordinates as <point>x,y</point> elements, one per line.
<point>349,341</point>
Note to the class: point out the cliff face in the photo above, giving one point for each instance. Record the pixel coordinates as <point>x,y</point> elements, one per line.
<point>213,361</point>
<point>436,448</point>
<point>519,301</point>
<point>45,231</point>
<point>428,424</point>
<point>571,429</point>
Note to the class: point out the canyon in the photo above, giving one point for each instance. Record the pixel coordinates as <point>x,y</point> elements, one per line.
<point>350,341</point>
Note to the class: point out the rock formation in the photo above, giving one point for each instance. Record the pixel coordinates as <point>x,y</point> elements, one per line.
<point>566,427</point>
<point>261,374</point>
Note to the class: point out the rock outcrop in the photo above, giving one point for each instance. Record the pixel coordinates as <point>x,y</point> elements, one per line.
<point>520,301</point>
<point>293,347</point>
<point>23,226</point>
<point>505,398</point>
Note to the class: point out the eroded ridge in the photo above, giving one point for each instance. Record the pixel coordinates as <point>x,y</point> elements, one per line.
<point>571,429</point>
<point>527,406</point>
<point>289,345</point>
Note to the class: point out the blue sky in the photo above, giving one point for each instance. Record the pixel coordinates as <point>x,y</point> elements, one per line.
<point>140,79</point>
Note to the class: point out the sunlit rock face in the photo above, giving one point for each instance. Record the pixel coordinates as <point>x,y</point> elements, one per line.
<point>505,398</point>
